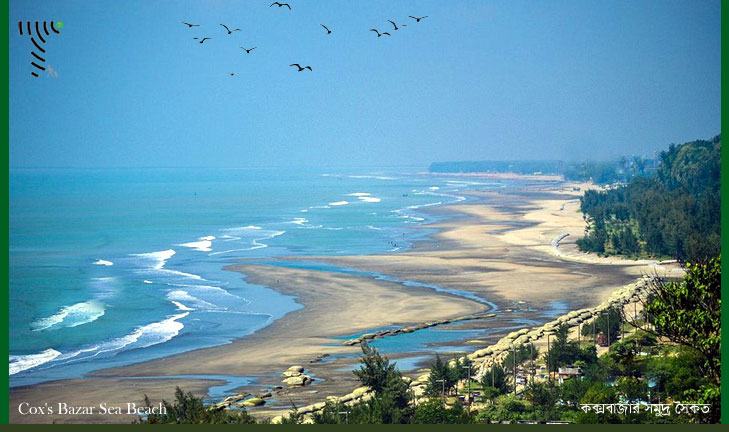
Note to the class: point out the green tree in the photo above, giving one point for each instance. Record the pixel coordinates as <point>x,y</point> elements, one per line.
<point>189,409</point>
<point>433,411</point>
<point>442,377</point>
<point>688,312</point>
<point>544,396</point>
<point>382,376</point>
<point>632,388</point>
<point>495,377</point>
<point>563,351</point>
<point>606,323</point>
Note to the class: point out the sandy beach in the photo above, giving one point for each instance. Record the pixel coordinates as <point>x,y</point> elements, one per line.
<point>498,246</point>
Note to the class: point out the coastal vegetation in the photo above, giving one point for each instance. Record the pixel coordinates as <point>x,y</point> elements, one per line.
<point>668,354</point>
<point>601,172</point>
<point>674,213</point>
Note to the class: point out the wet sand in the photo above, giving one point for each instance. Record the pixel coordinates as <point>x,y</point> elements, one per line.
<point>498,247</point>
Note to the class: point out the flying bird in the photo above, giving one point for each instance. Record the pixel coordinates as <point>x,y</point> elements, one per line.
<point>229,31</point>
<point>378,33</point>
<point>231,73</point>
<point>418,19</point>
<point>190,25</point>
<point>326,28</point>
<point>248,51</point>
<point>300,68</point>
<point>281,4</point>
<point>203,39</point>
<point>393,23</point>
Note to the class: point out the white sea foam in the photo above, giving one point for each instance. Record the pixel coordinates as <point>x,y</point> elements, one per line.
<point>184,296</point>
<point>19,363</point>
<point>71,316</point>
<point>181,306</point>
<point>204,244</point>
<point>370,199</point>
<point>208,290</point>
<point>299,221</point>
<point>372,177</point>
<point>141,337</point>
<point>359,194</point>
<point>250,234</point>
<point>434,188</point>
<point>158,258</point>
<point>181,273</point>
<point>102,262</point>
<point>147,281</point>
<point>339,203</point>
<point>147,335</point>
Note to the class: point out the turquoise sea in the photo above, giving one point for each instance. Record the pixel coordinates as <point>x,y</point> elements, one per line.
<point>116,266</point>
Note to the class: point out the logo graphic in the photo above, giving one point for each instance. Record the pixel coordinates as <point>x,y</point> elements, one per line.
<point>25,29</point>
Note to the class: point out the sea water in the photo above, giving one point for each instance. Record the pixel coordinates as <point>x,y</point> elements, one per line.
<point>115,266</point>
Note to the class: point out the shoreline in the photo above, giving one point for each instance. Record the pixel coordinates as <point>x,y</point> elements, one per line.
<point>475,243</point>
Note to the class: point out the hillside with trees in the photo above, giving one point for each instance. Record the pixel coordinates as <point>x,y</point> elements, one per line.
<point>675,213</point>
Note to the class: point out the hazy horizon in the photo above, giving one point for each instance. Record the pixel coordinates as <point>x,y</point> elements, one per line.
<point>561,80</point>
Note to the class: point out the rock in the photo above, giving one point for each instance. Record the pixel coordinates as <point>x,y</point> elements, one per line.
<point>293,371</point>
<point>305,409</point>
<point>423,378</point>
<point>277,420</point>
<point>407,380</point>
<point>252,402</point>
<point>299,380</point>
<point>360,391</point>
<point>230,400</point>
<point>265,395</point>
<point>318,358</point>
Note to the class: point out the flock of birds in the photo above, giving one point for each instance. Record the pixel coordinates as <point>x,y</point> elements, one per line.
<point>300,68</point>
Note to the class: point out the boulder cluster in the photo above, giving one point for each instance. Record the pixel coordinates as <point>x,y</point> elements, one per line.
<point>246,400</point>
<point>295,376</point>
<point>360,394</point>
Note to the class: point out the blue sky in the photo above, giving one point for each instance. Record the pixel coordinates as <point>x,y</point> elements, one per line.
<point>476,80</point>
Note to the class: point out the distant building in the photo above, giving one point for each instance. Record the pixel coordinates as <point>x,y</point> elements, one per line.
<point>568,372</point>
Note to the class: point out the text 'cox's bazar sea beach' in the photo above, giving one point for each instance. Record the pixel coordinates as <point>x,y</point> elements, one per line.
<point>218,281</point>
